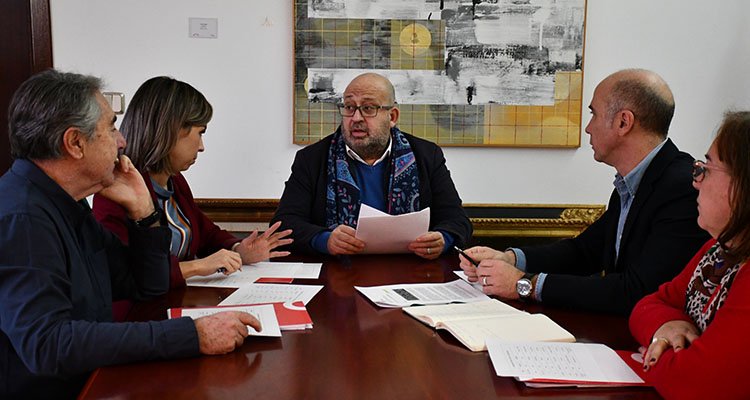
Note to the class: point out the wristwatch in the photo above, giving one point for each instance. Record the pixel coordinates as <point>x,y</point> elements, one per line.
<point>524,286</point>
<point>151,219</point>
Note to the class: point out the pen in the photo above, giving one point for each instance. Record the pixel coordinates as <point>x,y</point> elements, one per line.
<point>463,253</point>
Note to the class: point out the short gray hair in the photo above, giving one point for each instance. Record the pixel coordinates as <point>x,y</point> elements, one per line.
<point>45,106</point>
<point>647,95</point>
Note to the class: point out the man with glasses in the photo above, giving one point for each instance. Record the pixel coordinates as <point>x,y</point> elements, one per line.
<point>369,160</point>
<point>649,231</point>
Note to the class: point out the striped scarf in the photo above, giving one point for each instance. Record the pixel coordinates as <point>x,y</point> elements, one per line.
<point>342,192</point>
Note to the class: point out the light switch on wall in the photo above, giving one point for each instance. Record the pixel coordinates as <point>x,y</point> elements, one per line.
<point>116,100</point>
<point>207,28</point>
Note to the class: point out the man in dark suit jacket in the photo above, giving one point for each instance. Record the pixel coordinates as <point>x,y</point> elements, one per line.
<point>649,231</point>
<point>368,160</point>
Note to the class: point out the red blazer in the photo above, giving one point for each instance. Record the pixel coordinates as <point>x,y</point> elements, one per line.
<point>715,365</point>
<point>207,237</point>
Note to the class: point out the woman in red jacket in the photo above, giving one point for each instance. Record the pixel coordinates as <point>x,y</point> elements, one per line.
<point>696,326</point>
<point>164,126</point>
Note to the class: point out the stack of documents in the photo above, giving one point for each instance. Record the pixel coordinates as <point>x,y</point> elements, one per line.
<point>396,296</point>
<point>289,316</point>
<point>564,364</point>
<point>257,273</point>
<point>264,313</point>
<point>473,323</point>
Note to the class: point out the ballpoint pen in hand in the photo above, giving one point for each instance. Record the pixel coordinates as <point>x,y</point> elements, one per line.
<point>463,253</point>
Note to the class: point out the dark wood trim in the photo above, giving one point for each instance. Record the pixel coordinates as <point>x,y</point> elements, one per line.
<point>26,48</point>
<point>41,36</point>
<point>238,210</point>
<point>489,220</point>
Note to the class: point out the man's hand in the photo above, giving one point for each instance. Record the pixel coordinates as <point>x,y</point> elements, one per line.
<point>429,245</point>
<point>129,190</point>
<point>342,241</point>
<point>223,332</point>
<point>479,253</point>
<point>229,260</point>
<point>256,247</point>
<point>499,278</point>
<point>676,334</point>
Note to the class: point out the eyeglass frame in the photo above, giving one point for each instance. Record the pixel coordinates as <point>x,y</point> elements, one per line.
<point>359,108</point>
<point>699,170</point>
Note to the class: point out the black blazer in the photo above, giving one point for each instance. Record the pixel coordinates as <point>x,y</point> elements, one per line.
<point>303,203</point>
<point>660,236</point>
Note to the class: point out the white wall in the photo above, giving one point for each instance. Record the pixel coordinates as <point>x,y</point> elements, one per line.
<point>702,48</point>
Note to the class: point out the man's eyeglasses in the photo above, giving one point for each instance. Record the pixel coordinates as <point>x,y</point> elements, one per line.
<point>700,168</point>
<point>367,110</point>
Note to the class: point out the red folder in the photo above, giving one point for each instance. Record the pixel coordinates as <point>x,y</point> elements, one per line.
<point>274,280</point>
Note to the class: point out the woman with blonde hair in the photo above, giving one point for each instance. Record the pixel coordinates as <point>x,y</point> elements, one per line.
<point>164,127</point>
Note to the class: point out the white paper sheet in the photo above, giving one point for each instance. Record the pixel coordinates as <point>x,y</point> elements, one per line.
<point>251,273</point>
<point>461,274</point>
<point>271,293</point>
<point>265,314</point>
<point>585,362</point>
<point>390,234</point>
<point>396,296</point>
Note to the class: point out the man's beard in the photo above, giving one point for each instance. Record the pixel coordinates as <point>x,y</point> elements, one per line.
<point>373,146</point>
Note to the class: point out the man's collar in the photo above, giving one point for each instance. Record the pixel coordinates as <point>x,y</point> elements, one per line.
<point>632,180</point>
<point>75,210</point>
<point>352,154</point>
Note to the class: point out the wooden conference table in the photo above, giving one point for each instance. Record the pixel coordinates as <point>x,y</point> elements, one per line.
<point>355,350</point>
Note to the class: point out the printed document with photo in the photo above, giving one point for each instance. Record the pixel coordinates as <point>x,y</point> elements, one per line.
<point>404,295</point>
<point>390,234</point>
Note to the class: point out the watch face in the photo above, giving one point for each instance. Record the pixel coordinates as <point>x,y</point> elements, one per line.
<point>523,287</point>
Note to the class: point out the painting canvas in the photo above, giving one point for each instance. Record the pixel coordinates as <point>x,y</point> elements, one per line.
<point>466,73</point>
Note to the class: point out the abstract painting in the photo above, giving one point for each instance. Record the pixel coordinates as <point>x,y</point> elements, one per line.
<point>466,73</point>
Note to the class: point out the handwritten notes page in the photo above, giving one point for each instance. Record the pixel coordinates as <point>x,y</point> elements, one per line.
<point>390,234</point>
<point>403,295</point>
<point>561,363</point>
<point>271,293</point>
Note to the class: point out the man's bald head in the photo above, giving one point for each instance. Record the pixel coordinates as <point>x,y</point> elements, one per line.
<point>645,94</point>
<point>373,80</point>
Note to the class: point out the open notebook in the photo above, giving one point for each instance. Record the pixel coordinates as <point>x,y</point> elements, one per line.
<point>473,323</point>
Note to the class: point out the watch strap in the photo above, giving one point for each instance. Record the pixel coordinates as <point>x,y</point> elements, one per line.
<point>149,220</point>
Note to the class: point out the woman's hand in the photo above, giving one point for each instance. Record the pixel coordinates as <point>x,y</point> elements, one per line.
<point>225,260</point>
<point>673,334</point>
<point>256,247</point>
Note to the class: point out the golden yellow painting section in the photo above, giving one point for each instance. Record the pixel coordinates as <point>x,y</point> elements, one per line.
<point>415,39</point>
<point>557,125</point>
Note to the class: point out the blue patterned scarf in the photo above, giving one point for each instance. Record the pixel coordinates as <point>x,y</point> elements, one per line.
<point>342,192</point>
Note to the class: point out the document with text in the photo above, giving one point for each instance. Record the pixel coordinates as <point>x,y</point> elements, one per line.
<point>271,293</point>
<point>461,274</point>
<point>264,313</point>
<point>403,295</point>
<point>290,316</point>
<point>258,271</point>
<point>561,364</point>
<point>390,234</point>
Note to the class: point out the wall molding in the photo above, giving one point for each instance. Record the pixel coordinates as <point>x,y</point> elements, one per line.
<point>489,220</point>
